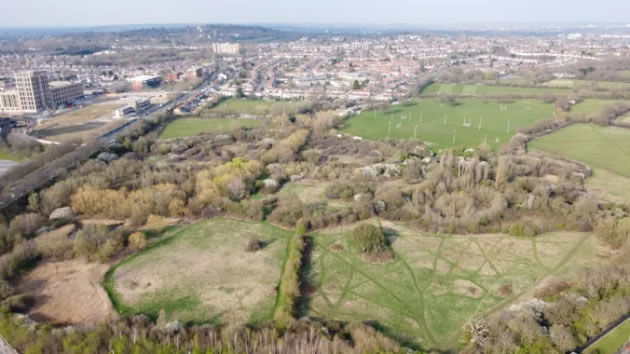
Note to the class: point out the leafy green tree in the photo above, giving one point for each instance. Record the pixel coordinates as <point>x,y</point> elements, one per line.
<point>369,238</point>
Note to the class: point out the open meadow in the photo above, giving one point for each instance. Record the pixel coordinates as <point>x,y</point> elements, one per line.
<point>249,108</point>
<point>436,283</point>
<point>592,107</point>
<point>605,149</point>
<point>601,147</point>
<point>193,126</point>
<point>491,90</point>
<point>468,123</point>
<point>203,273</point>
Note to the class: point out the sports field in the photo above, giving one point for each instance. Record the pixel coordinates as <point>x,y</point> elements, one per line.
<point>601,147</point>
<point>466,124</point>
<point>592,107</point>
<point>203,273</point>
<point>193,126</point>
<point>490,90</point>
<point>436,283</point>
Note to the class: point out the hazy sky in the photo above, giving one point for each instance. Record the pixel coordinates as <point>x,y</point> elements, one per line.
<point>25,13</point>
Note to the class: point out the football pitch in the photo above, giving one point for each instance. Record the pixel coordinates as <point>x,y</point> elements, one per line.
<point>467,124</point>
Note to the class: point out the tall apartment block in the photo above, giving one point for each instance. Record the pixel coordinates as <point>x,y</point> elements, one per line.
<point>33,91</point>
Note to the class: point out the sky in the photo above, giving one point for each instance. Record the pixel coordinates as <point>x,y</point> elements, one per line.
<point>73,13</point>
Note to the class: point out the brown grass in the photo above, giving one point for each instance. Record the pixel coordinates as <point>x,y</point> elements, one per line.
<point>82,124</point>
<point>68,292</point>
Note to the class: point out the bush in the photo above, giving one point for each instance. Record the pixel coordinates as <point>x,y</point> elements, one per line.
<point>6,289</point>
<point>137,241</point>
<point>254,245</point>
<point>369,239</point>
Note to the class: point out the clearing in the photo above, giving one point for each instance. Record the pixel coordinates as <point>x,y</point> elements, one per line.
<point>605,149</point>
<point>68,293</point>
<point>202,273</point>
<point>436,283</point>
<point>491,90</point>
<point>84,124</point>
<point>192,126</point>
<point>468,123</point>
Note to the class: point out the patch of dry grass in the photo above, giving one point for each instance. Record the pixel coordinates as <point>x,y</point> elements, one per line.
<point>68,292</point>
<point>204,273</point>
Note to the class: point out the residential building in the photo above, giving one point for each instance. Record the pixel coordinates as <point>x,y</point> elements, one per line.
<point>33,91</point>
<point>64,92</point>
<point>10,102</point>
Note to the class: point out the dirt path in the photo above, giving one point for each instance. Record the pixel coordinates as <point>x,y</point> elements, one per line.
<point>68,292</point>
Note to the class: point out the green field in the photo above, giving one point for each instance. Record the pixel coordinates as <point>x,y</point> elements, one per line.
<point>612,341</point>
<point>241,106</point>
<point>592,107</point>
<point>437,282</point>
<point>577,84</point>
<point>490,90</point>
<point>202,273</point>
<point>437,122</point>
<point>607,148</point>
<point>192,126</point>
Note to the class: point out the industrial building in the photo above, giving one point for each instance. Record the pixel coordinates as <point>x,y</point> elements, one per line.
<point>138,83</point>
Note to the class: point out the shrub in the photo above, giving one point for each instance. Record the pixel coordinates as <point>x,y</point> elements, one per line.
<point>369,239</point>
<point>137,241</point>
<point>254,245</point>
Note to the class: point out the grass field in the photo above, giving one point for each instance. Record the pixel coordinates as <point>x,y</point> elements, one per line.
<point>191,126</point>
<point>437,123</point>
<point>436,282</point>
<point>612,341</point>
<point>576,84</point>
<point>202,273</point>
<point>242,106</point>
<point>607,148</point>
<point>592,107</point>
<point>490,90</point>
